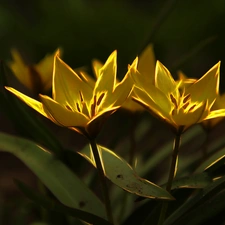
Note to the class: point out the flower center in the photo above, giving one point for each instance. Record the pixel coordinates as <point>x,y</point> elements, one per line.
<point>96,103</point>
<point>184,103</point>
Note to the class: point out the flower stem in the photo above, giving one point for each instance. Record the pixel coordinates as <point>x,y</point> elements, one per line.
<point>102,177</point>
<point>172,174</point>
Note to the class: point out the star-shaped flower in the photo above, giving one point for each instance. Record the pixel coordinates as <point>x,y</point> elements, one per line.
<point>181,104</point>
<point>77,101</point>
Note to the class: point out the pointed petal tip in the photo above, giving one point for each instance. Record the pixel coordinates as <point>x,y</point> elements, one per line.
<point>134,64</point>
<point>113,55</point>
<point>58,52</point>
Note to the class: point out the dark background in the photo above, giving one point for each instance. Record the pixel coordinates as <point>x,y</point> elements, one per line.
<point>187,36</point>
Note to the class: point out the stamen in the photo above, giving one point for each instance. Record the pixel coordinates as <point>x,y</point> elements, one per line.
<point>185,105</point>
<point>68,107</point>
<point>100,98</point>
<point>93,107</point>
<point>81,96</point>
<point>78,107</point>
<point>187,97</point>
<point>173,101</point>
<point>192,107</point>
<point>173,112</point>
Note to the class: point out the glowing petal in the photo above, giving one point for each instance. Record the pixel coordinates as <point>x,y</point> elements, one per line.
<point>187,119</point>
<point>86,78</point>
<point>206,88</point>
<point>216,114</point>
<point>67,85</point>
<point>63,116</point>
<point>20,70</point>
<point>152,102</point>
<point>183,81</point>
<point>139,79</point>
<point>45,69</point>
<point>164,80</point>
<point>146,66</point>
<point>120,94</point>
<point>97,65</point>
<point>36,105</point>
<point>107,77</point>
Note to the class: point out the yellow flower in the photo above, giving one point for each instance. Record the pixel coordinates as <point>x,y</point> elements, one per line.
<point>180,104</point>
<point>38,77</point>
<point>78,102</point>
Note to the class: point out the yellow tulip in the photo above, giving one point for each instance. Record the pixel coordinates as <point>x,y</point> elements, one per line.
<point>38,77</point>
<point>77,101</point>
<point>180,104</point>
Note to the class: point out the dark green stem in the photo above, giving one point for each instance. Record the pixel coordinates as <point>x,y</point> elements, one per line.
<point>172,174</point>
<point>102,177</point>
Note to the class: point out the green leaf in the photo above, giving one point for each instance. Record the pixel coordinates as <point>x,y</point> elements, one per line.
<point>211,207</point>
<point>52,205</point>
<point>213,162</point>
<point>201,198</point>
<point>194,181</point>
<point>122,174</point>
<point>64,184</point>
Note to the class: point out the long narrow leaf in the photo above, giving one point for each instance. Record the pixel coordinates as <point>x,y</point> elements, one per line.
<point>64,184</point>
<point>49,204</point>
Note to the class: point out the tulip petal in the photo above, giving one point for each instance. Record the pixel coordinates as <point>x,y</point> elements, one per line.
<point>120,94</point>
<point>189,118</point>
<point>97,65</point>
<point>164,80</point>
<point>216,114</point>
<point>206,88</point>
<point>45,69</point>
<point>157,102</point>
<point>107,76</point>
<point>63,116</point>
<point>184,82</point>
<point>67,85</point>
<point>140,80</point>
<point>36,105</point>
<point>146,66</point>
<point>19,69</point>
<point>86,78</point>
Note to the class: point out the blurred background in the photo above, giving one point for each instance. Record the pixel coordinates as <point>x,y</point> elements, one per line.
<point>187,36</point>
